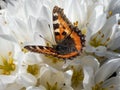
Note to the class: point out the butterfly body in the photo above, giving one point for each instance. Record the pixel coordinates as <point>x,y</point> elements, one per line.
<point>68,37</point>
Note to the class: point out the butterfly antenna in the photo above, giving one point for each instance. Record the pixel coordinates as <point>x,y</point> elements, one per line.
<point>45,39</point>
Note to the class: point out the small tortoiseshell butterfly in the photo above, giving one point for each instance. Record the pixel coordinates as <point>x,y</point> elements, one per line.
<point>70,41</point>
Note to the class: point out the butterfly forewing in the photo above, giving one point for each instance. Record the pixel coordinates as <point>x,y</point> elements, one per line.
<point>41,49</point>
<point>61,24</point>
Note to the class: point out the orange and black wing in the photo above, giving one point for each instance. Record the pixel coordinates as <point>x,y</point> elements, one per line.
<point>41,49</point>
<point>63,29</point>
<point>49,51</point>
<point>60,24</point>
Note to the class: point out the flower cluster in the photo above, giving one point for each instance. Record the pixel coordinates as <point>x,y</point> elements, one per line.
<point>23,21</point>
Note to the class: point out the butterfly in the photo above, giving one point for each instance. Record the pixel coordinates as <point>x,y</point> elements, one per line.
<point>69,39</point>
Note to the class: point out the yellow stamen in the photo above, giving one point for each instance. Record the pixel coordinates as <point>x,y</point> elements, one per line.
<point>54,59</point>
<point>52,87</point>
<point>99,87</point>
<point>77,77</point>
<point>96,40</point>
<point>110,13</point>
<point>8,65</point>
<point>33,69</point>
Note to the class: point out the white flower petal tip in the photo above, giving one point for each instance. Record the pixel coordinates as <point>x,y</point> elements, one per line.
<point>9,38</point>
<point>112,82</point>
<point>51,77</point>
<point>7,79</point>
<point>111,54</point>
<point>31,58</point>
<point>91,61</point>
<point>107,69</point>
<point>36,88</point>
<point>26,79</point>
<point>101,51</point>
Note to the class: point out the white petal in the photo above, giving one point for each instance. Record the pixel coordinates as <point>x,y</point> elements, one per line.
<point>110,54</point>
<point>36,88</point>
<point>89,61</point>
<point>115,81</point>
<point>88,81</point>
<point>31,24</point>
<point>43,28</point>
<point>67,88</point>
<point>13,86</point>
<point>26,79</point>
<point>90,49</point>
<point>52,76</point>
<point>39,39</point>
<point>105,3</point>
<point>46,14</point>
<point>114,43</point>
<point>2,85</point>
<point>73,14</point>
<point>114,7</point>
<point>107,69</point>
<point>3,4</point>
<point>31,7</point>
<point>7,79</point>
<point>108,28</point>
<point>15,8</point>
<point>101,51</point>
<point>8,37</point>
<point>97,19</point>
<point>6,47</point>
<point>31,59</point>
<point>9,83</point>
<point>50,61</point>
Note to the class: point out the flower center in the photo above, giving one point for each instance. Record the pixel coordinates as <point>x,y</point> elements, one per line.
<point>77,77</point>
<point>33,69</point>
<point>7,65</point>
<point>97,40</point>
<point>52,87</point>
<point>54,59</point>
<point>99,87</point>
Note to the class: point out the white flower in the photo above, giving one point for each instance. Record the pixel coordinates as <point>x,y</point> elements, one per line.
<point>26,79</point>
<point>29,22</point>
<point>104,36</point>
<point>111,38</point>
<point>53,79</point>
<point>83,71</point>
<point>8,64</point>
<point>102,79</point>
<point>36,88</point>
